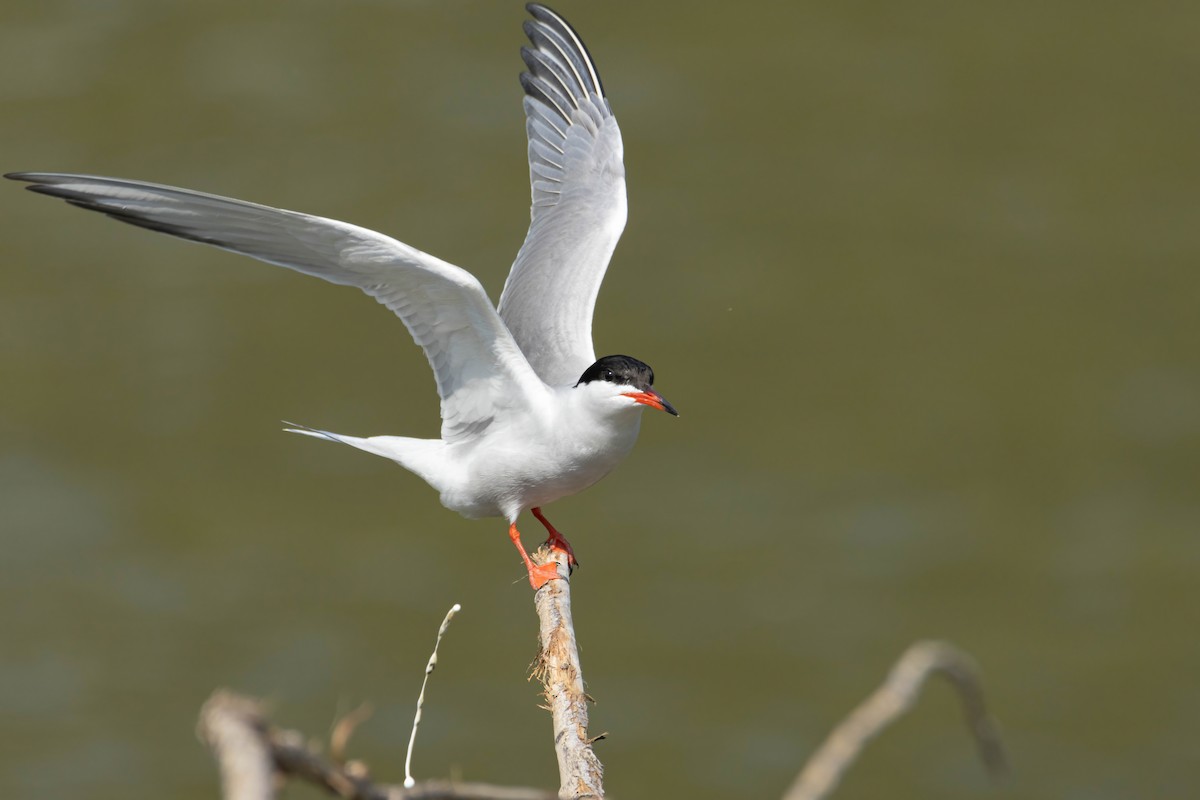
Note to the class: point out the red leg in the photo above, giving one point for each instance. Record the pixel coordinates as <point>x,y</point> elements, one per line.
<point>537,575</point>
<point>556,540</point>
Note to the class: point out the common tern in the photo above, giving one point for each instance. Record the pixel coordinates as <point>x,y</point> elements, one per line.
<point>529,414</point>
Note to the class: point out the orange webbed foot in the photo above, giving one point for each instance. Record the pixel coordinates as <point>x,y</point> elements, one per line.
<point>539,574</point>
<point>556,540</point>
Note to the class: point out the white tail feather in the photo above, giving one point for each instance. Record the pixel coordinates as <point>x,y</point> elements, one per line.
<point>422,456</point>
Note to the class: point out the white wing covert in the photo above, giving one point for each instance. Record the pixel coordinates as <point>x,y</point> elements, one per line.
<point>481,373</point>
<point>577,183</point>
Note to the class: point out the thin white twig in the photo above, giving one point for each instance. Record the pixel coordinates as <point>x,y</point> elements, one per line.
<point>412,739</point>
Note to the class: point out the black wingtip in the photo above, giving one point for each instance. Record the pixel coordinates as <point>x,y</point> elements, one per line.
<point>544,94</point>
<point>543,13</point>
<point>43,188</point>
<point>552,20</point>
<point>38,182</point>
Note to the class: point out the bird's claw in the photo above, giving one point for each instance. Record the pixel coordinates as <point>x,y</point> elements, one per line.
<point>541,574</point>
<point>558,542</point>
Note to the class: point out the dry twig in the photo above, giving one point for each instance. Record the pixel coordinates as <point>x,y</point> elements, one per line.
<point>252,754</point>
<point>897,695</point>
<point>409,782</point>
<point>557,667</point>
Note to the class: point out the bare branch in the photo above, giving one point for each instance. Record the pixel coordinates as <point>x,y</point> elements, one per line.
<point>233,728</point>
<point>252,755</point>
<point>897,695</point>
<point>557,667</point>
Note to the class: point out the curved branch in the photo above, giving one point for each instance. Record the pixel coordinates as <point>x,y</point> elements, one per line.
<point>896,696</point>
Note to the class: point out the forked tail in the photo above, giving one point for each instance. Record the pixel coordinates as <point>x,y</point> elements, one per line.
<point>425,457</point>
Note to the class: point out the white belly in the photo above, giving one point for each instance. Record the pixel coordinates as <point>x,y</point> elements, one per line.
<point>501,476</point>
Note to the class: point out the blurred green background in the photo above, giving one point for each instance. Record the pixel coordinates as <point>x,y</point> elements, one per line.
<point>921,278</point>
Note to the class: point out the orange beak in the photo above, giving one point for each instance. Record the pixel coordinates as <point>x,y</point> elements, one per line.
<point>653,399</point>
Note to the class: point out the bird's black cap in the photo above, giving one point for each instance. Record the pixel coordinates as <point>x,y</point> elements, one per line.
<point>628,371</point>
<point>623,370</point>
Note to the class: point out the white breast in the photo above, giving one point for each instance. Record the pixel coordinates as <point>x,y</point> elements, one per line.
<point>515,469</point>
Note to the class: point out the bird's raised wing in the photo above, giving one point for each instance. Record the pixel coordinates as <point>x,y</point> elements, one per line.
<point>481,373</point>
<point>577,179</point>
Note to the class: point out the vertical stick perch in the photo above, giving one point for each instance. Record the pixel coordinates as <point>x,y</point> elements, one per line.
<point>557,667</point>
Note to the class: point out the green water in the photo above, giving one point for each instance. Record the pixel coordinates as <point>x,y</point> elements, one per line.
<point>921,278</point>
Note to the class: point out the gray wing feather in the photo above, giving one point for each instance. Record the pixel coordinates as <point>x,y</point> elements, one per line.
<point>577,183</point>
<point>480,371</point>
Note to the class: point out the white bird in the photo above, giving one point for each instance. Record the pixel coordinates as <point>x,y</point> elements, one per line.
<point>529,414</point>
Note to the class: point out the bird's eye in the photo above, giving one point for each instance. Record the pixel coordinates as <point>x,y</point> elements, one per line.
<point>608,375</point>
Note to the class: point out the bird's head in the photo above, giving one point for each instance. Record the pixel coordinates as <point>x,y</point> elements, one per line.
<point>626,381</point>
